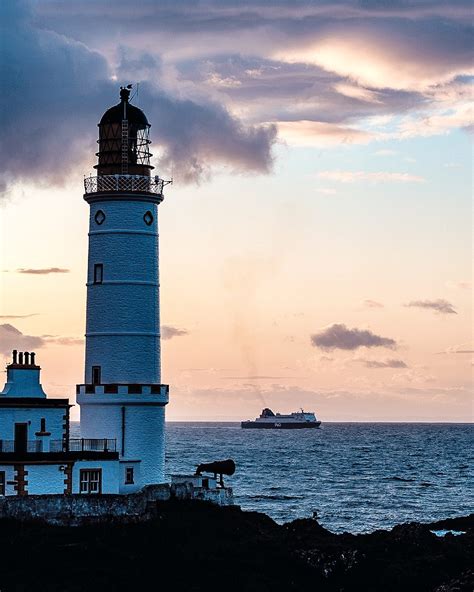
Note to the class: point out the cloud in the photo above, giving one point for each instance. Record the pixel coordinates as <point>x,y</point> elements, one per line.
<point>66,341</point>
<point>392,403</point>
<point>398,54</point>
<point>372,304</point>
<point>196,137</point>
<point>256,377</point>
<point>225,77</point>
<point>461,285</point>
<point>56,89</point>
<point>11,338</point>
<point>385,364</point>
<point>27,316</point>
<point>317,133</point>
<point>358,92</point>
<point>374,177</point>
<point>457,349</point>
<point>440,306</point>
<point>43,271</point>
<point>168,332</point>
<point>338,336</point>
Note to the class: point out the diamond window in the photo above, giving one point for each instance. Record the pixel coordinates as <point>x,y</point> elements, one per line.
<point>148,217</point>
<point>99,217</point>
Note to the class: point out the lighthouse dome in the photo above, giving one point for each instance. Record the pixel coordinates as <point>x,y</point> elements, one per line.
<point>124,110</point>
<point>123,140</point>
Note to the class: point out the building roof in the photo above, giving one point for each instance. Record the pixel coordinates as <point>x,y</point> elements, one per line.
<point>124,110</point>
<point>33,402</point>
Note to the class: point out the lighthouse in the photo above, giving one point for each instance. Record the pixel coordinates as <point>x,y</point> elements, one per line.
<point>122,396</point>
<point>122,400</point>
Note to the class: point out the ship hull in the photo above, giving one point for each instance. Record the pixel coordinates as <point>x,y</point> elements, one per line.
<point>289,425</point>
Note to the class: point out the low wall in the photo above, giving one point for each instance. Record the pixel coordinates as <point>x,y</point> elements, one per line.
<point>74,510</point>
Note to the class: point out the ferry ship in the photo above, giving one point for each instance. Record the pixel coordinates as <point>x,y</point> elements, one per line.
<point>293,421</point>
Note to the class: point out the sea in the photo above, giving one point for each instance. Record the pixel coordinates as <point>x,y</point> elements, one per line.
<point>356,477</point>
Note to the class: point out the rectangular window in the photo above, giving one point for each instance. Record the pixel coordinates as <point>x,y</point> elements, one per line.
<point>2,482</point>
<point>43,424</point>
<point>98,273</point>
<point>96,374</point>
<point>91,481</point>
<point>129,480</point>
<point>129,476</point>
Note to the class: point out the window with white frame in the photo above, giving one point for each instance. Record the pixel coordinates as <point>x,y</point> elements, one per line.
<point>91,481</point>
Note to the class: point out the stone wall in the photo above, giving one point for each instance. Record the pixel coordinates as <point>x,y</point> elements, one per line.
<point>75,510</point>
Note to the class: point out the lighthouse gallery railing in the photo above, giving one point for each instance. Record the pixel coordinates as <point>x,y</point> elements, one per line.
<point>73,445</point>
<point>129,183</point>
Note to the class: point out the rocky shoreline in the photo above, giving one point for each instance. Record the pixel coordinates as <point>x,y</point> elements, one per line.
<point>198,546</point>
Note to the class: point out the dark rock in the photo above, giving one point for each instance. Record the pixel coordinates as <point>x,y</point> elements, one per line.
<point>197,546</point>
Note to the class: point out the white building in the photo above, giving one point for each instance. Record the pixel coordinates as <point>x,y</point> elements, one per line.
<point>122,399</point>
<point>37,456</point>
<point>122,396</point>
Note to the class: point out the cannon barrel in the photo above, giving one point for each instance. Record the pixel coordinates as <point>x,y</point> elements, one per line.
<point>218,467</point>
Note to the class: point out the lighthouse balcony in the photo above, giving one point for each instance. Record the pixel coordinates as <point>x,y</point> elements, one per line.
<point>122,389</point>
<point>61,450</point>
<point>153,394</point>
<point>124,184</point>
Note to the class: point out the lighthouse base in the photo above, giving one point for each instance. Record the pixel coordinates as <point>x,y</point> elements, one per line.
<point>76,510</point>
<point>134,416</point>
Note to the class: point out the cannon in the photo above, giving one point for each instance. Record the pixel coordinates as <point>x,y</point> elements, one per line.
<point>218,467</point>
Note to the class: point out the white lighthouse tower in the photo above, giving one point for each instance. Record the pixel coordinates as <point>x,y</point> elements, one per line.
<point>122,396</point>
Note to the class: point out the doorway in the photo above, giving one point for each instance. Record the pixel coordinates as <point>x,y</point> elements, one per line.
<point>21,438</point>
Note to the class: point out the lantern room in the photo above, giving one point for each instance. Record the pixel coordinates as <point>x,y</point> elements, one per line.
<point>124,140</point>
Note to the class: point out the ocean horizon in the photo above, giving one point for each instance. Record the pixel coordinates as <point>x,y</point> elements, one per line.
<point>358,476</point>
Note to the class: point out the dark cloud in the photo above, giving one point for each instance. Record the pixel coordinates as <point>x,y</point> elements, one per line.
<point>53,85</point>
<point>385,364</point>
<point>55,90</point>
<point>197,136</point>
<point>201,63</point>
<point>168,332</point>
<point>274,90</point>
<point>440,306</point>
<point>191,17</point>
<point>435,35</point>
<point>338,336</point>
<point>11,338</point>
<point>43,271</point>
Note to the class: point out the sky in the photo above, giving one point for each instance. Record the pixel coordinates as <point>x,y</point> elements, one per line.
<point>316,243</point>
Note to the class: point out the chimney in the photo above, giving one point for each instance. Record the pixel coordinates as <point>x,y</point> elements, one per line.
<point>14,354</point>
<point>32,358</point>
<point>27,358</point>
<point>20,358</point>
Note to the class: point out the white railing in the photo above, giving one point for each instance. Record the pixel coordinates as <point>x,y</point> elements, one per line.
<point>129,183</point>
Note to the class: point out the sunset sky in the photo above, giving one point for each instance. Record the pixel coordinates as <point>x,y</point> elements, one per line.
<point>315,247</point>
